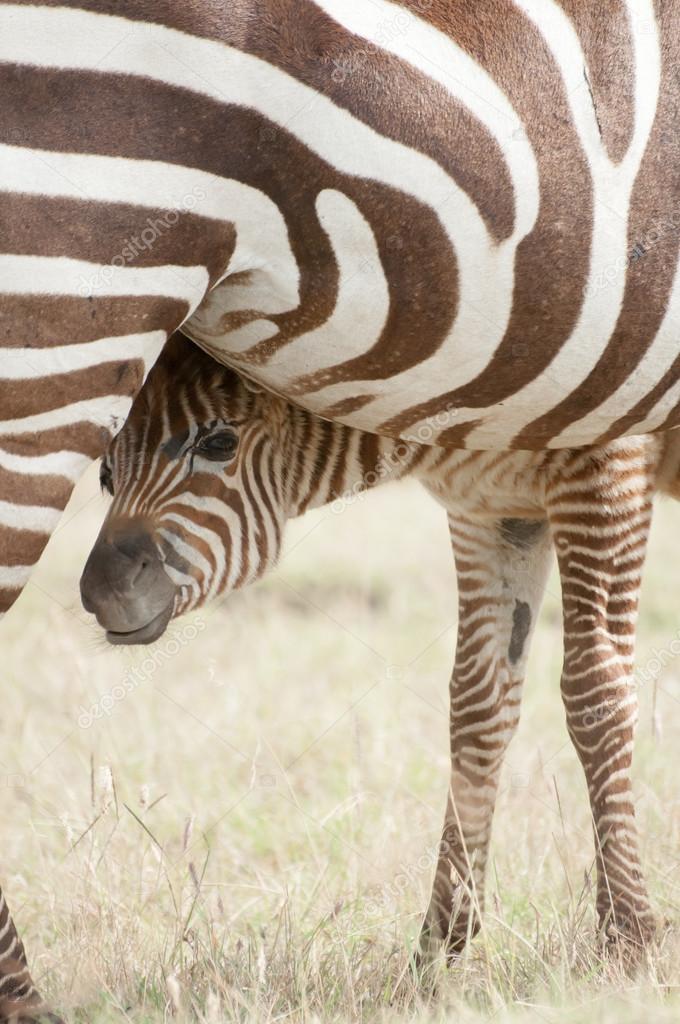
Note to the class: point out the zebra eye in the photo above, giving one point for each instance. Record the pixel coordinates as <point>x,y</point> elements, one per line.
<point>220,447</point>
<point>106,477</point>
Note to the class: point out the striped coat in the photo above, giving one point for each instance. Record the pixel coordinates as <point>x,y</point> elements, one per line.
<point>412,216</point>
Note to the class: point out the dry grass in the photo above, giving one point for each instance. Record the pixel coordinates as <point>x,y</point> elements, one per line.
<point>249,834</point>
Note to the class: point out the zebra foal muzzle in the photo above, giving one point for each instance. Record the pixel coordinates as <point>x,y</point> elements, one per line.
<point>124,584</point>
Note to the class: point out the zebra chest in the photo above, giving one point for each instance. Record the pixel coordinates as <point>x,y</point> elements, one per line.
<point>491,485</point>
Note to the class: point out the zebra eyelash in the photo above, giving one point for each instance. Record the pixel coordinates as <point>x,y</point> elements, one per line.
<point>218,446</point>
<point>215,441</point>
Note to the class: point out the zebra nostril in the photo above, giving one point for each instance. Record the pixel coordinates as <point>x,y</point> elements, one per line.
<point>137,574</point>
<point>125,585</point>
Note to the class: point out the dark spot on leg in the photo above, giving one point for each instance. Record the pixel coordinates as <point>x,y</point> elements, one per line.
<point>521,624</point>
<point>522,533</point>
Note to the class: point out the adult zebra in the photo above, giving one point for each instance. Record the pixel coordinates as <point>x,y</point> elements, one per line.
<point>395,213</point>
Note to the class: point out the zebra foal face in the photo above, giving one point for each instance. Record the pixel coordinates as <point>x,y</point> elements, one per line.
<point>196,476</point>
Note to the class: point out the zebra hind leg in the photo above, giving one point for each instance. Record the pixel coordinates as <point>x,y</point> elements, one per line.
<point>600,517</point>
<point>502,569</point>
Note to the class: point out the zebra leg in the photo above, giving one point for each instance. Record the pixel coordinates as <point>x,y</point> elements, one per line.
<point>502,569</point>
<point>600,527</point>
<point>20,1001</point>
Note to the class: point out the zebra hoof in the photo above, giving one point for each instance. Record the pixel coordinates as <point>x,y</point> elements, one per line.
<point>627,938</point>
<point>446,932</point>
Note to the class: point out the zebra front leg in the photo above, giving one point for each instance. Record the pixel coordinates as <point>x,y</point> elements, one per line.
<point>600,525</point>
<point>502,568</point>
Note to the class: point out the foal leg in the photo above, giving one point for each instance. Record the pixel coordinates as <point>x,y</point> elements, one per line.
<point>502,568</point>
<point>600,514</point>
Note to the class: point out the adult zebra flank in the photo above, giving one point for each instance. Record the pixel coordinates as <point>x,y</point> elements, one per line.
<point>388,211</point>
<point>206,472</point>
<point>404,216</point>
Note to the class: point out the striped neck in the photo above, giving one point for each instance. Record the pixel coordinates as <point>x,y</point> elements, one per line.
<point>325,462</point>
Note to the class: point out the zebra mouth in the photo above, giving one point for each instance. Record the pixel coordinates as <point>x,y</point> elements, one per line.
<point>145,634</point>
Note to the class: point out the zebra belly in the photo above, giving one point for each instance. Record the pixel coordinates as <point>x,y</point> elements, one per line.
<point>421,403</point>
<point>508,281</point>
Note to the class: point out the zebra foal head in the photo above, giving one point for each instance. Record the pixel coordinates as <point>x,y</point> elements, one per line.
<point>199,486</point>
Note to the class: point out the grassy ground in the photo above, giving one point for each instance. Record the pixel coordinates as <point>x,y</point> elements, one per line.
<point>248,831</point>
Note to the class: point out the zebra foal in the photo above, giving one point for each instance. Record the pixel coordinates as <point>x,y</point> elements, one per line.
<point>207,470</point>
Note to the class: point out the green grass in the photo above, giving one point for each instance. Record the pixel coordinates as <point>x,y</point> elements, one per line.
<point>249,834</point>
